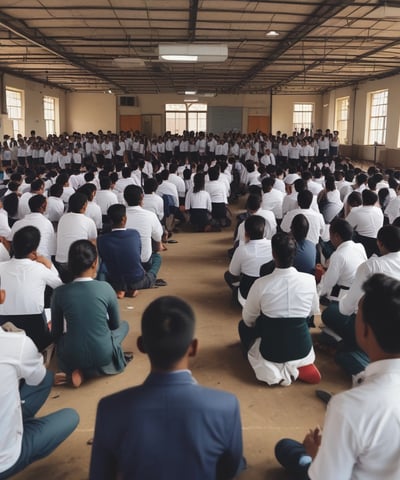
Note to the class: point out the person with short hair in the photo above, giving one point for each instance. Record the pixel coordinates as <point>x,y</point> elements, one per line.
<point>55,205</point>
<point>174,427</point>
<point>306,253</point>
<point>360,428</point>
<point>274,330</point>
<point>37,218</point>
<point>244,268</point>
<point>86,325</point>
<point>25,278</point>
<point>119,251</point>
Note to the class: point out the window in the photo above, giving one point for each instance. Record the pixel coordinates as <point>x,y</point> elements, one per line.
<point>378,102</point>
<point>14,110</point>
<point>49,109</point>
<point>185,116</point>
<point>342,117</point>
<point>302,116</point>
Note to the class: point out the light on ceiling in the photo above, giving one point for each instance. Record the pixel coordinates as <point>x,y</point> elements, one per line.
<point>190,92</point>
<point>193,52</point>
<point>272,33</point>
<point>191,100</point>
<point>109,91</point>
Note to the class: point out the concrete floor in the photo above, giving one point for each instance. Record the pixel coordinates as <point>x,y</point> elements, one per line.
<point>194,270</point>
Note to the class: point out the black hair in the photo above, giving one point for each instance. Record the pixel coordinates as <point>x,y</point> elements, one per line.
<point>253,202</point>
<point>25,241</point>
<point>213,173</point>
<point>56,190</point>
<point>36,202</point>
<point>116,213</point>
<point>369,197</point>
<point>105,182</point>
<point>299,185</point>
<point>10,204</point>
<point>133,195</point>
<point>198,182</point>
<point>304,199</point>
<point>343,228</point>
<point>37,185</point>
<point>254,226</point>
<point>76,202</point>
<point>381,311</point>
<point>354,199</point>
<point>167,330</point>
<point>299,227</point>
<point>284,249</point>
<point>81,255</point>
<point>62,179</point>
<point>389,236</point>
<point>150,185</point>
<point>267,183</point>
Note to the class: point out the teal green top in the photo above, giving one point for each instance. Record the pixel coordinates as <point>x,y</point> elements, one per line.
<point>91,312</point>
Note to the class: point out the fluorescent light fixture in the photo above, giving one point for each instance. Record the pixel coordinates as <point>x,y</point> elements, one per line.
<point>190,92</point>
<point>272,33</point>
<point>193,52</point>
<point>191,100</point>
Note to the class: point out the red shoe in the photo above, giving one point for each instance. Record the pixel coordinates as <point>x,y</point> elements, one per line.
<point>309,374</point>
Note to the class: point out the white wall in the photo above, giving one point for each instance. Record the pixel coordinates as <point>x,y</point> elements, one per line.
<point>91,112</point>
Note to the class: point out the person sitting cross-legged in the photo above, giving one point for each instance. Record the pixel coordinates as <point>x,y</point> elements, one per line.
<point>120,251</point>
<point>361,425</point>
<point>169,427</point>
<point>274,331</point>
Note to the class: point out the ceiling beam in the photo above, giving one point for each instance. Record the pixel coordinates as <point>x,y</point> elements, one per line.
<point>193,11</point>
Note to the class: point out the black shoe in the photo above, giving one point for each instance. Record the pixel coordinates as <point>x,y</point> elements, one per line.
<point>323,395</point>
<point>160,283</point>
<point>128,356</point>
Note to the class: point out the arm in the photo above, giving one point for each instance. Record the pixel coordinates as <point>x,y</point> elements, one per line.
<point>57,316</point>
<point>331,276</point>
<point>112,308</point>
<point>348,304</point>
<point>252,307</point>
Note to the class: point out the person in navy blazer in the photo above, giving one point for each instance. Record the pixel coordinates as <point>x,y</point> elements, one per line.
<point>168,428</point>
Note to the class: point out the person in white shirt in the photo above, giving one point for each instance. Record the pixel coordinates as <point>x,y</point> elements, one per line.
<point>343,262</point>
<point>360,427</point>
<point>37,218</point>
<point>93,210</point>
<point>274,330</point>
<point>317,227</point>
<point>55,205</point>
<point>151,201</point>
<point>253,206</point>
<point>198,204</point>
<point>268,158</point>
<point>167,188</point>
<point>25,278</point>
<point>105,197</point>
<point>392,211</point>
<point>123,182</point>
<point>340,317</point>
<point>219,197</point>
<point>72,226</point>
<point>248,258</point>
<point>37,188</point>
<point>26,385</point>
<point>272,199</point>
<point>145,222</point>
<point>366,221</point>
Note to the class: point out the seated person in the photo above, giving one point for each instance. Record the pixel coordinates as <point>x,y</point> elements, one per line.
<point>25,387</point>
<point>360,424</point>
<point>344,261</point>
<point>198,204</point>
<point>120,251</point>
<point>244,268</point>
<point>274,330</point>
<point>85,320</point>
<point>173,427</point>
<point>25,278</point>
<point>306,253</point>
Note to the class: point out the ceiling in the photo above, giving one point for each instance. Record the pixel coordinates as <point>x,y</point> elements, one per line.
<point>322,44</point>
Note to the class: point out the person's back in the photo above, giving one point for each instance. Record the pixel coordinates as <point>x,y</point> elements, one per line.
<point>170,427</point>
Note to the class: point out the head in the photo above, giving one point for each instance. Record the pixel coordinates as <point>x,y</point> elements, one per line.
<point>388,239</point>
<point>283,249</point>
<point>25,242</point>
<point>254,227</point>
<point>37,186</point>
<point>82,257</point>
<point>378,317</point>
<point>105,182</point>
<point>168,325</point>
<point>354,199</point>
<point>133,195</point>
<point>38,203</point>
<point>117,215</point>
<point>253,203</point>
<point>304,199</point>
<point>340,231</point>
<point>299,227</point>
<point>150,185</point>
<point>369,197</point>
<point>213,173</point>
<point>198,182</point>
<point>267,184</point>
<point>77,203</point>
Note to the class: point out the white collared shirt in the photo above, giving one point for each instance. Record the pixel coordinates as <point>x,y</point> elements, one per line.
<point>250,256</point>
<point>361,429</point>
<point>366,220</point>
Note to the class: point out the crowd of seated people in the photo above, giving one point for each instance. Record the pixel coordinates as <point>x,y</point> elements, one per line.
<point>84,218</point>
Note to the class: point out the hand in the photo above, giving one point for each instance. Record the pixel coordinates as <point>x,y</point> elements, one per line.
<point>312,441</point>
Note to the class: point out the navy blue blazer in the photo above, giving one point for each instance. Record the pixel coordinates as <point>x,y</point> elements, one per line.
<point>169,428</point>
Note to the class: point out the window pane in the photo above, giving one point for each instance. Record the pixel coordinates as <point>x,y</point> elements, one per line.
<point>377,117</point>
<point>302,116</point>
